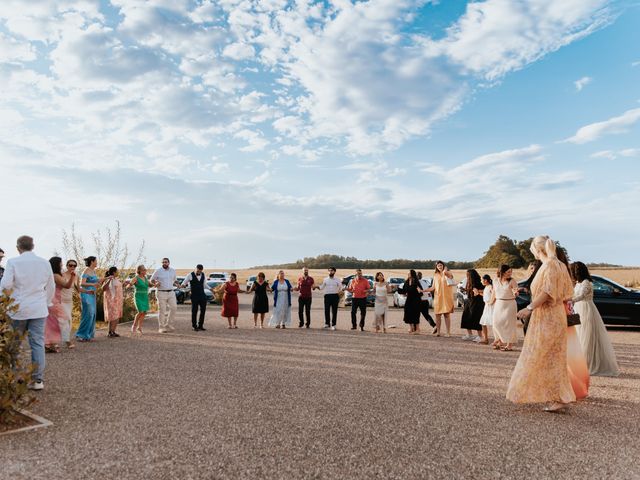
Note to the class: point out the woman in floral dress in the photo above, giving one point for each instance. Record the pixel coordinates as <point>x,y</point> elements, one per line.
<point>541,374</point>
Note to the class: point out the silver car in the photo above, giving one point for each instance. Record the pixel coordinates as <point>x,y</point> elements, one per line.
<point>399,299</point>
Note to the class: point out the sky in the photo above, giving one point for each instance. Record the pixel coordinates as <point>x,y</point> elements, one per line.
<point>236,133</point>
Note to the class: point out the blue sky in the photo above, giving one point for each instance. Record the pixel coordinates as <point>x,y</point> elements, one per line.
<point>243,132</point>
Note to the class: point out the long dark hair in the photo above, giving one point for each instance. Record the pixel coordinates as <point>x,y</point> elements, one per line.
<point>473,281</point>
<point>487,278</point>
<point>412,279</point>
<point>503,269</point>
<point>89,260</point>
<point>110,272</point>
<point>580,272</point>
<point>443,264</point>
<point>56,265</point>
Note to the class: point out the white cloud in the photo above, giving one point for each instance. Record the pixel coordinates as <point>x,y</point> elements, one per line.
<point>219,167</point>
<point>255,139</point>
<point>614,125</point>
<point>582,82</point>
<point>239,51</point>
<point>612,155</point>
<point>495,37</point>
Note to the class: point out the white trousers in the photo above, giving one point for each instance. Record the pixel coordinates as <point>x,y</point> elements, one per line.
<point>167,307</point>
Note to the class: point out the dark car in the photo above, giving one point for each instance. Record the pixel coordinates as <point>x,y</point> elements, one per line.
<point>371,297</point>
<point>617,305</point>
<point>182,293</point>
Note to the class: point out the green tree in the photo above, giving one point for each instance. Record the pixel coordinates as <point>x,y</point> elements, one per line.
<point>504,251</point>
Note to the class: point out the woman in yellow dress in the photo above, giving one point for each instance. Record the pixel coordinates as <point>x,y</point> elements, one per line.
<point>541,374</point>
<point>442,297</point>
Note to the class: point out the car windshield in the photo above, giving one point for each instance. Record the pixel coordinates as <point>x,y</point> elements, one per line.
<point>603,283</point>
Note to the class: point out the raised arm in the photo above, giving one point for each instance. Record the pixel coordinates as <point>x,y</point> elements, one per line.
<point>582,291</point>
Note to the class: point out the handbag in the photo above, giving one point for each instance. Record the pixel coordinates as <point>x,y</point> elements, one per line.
<point>573,318</point>
<point>450,281</point>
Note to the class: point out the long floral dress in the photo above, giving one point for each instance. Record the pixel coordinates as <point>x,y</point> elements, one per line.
<point>541,374</point>
<point>113,300</point>
<point>52,334</point>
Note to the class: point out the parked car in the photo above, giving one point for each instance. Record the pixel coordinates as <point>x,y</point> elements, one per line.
<point>461,293</point>
<point>212,284</point>
<point>395,283</point>
<point>400,299</point>
<point>224,276</point>
<point>250,281</point>
<point>371,298</point>
<point>617,305</point>
<point>182,293</point>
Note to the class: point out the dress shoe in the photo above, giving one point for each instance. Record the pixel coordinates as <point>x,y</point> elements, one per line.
<point>202,329</point>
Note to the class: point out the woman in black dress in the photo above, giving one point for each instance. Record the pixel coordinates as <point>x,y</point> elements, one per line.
<point>260,305</point>
<point>412,306</point>
<point>473,307</point>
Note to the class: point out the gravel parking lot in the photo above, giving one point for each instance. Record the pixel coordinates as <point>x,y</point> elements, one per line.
<point>251,403</point>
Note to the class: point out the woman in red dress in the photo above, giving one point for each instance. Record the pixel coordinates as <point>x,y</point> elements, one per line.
<point>230,300</point>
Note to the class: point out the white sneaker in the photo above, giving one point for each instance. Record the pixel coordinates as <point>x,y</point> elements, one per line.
<point>333,328</point>
<point>477,339</point>
<point>162,330</point>
<point>326,326</point>
<point>467,338</point>
<point>37,385</point>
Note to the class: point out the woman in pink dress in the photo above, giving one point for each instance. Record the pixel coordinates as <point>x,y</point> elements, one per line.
<point>52,332</point>
<point>113,300</point>
<point>230,305</point>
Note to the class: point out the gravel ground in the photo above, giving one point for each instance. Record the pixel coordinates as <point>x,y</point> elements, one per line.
<point>250,403</point>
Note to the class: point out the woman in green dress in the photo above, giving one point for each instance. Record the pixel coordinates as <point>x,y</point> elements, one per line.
<point>141,285</point>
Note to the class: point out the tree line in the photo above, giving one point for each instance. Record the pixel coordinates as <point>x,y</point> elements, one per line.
<point>505,251</point>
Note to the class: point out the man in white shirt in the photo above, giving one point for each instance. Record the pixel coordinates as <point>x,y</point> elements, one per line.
<point>332,287</point>
<point>165,279</point>
<point>30,280</point>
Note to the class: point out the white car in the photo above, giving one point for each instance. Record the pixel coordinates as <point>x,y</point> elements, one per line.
<point>250,281</point>
<point>399,299</point>
<point>223,276</point>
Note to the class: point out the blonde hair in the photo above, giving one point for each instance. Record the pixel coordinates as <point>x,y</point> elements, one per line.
<point>543,247</point>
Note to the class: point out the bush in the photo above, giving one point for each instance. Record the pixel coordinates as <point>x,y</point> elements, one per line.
<point>15,376</point>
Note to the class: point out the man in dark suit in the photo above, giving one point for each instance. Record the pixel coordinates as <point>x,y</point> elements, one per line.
<point>198,283</point>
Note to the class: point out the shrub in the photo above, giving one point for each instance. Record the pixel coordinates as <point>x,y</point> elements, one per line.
<point>15,376</point>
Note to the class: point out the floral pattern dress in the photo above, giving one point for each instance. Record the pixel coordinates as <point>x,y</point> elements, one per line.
<point>541,374</point>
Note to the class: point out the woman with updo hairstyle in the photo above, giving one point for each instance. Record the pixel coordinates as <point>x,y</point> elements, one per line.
<point>505,310</point>
<point>88,285</point>
<point>592,334</point>
<point>541,374</point>
<point>113,300</point>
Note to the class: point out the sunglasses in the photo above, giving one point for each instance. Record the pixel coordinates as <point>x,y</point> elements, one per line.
<point>71,265</point>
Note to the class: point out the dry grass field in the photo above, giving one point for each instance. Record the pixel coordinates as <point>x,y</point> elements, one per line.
<point>629,277</point>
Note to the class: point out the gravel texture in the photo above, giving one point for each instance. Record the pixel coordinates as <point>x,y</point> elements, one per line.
<point>251,403</point>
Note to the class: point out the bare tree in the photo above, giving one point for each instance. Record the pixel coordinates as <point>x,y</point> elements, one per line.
<point>107,247</point>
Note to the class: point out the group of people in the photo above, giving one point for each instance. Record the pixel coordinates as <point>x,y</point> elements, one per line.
<point>554,365</point>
